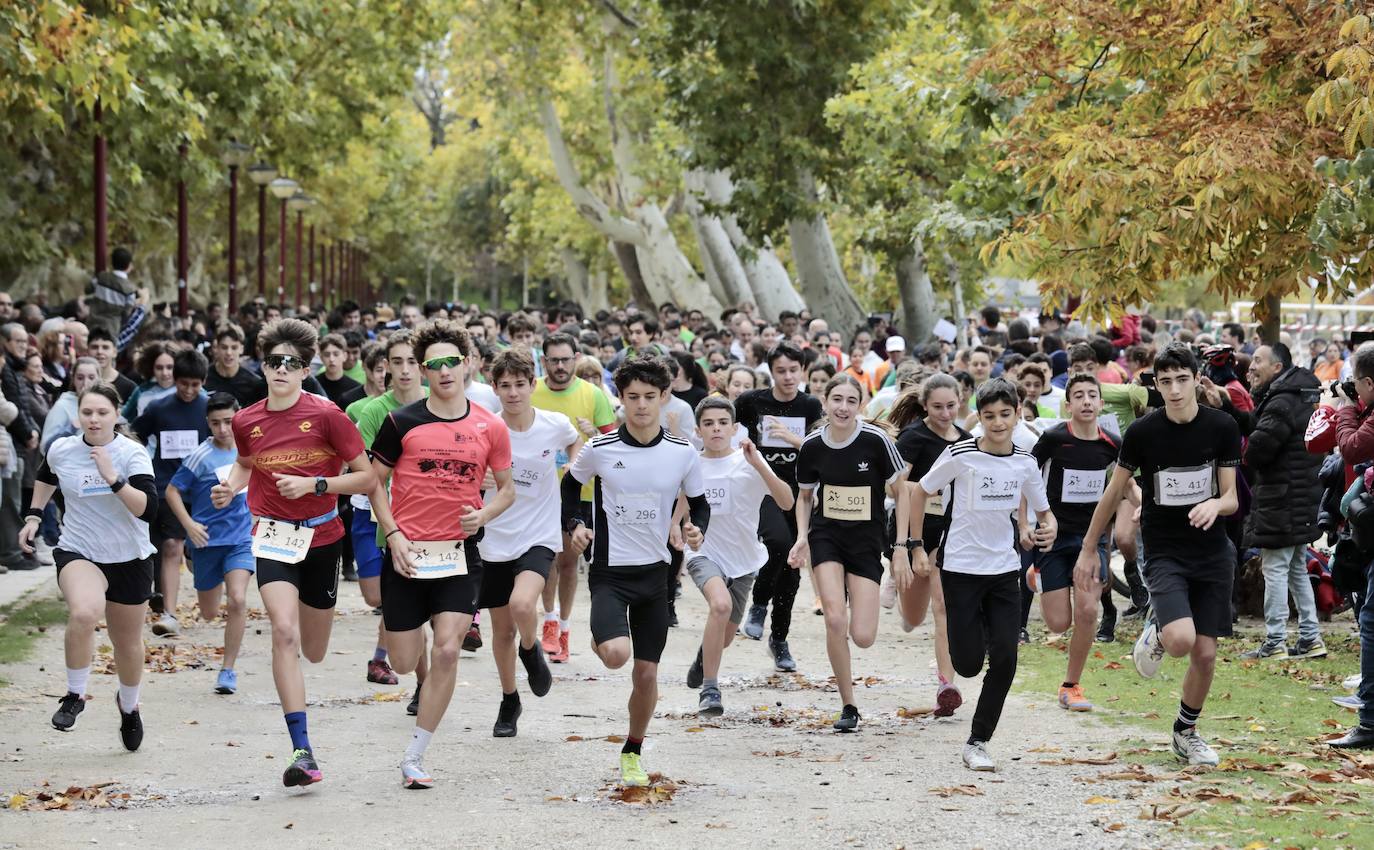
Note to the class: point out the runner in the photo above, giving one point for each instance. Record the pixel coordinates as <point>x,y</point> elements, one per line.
<point>1187,457</point>
<point>104,554</point>
<point>638,472</point>
<point>841,531</point>
<point>221,541</point>
<point>590,412</point>
<point>987,477</point>
<point>737,481</point>
<point>293,447</point>
<point>436,452</point>
<point>519,547</point>
<point>920,444</point>
<point>777,419</point>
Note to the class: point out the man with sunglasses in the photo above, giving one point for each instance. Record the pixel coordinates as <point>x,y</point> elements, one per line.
<point>297,454</point>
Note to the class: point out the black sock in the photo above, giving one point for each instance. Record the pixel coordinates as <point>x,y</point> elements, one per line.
<point>632,745</point>
<point>973,740</point>
<point>528,653</point>
<point>1068,684</point>
<point>1187,717</point>
<point>512,698</point>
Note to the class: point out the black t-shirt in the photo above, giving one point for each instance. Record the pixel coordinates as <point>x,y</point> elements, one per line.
<point>692,395</point>
<point>850,481</point>
<point>124,386</point>
<point>800,413</point>
<point>919,447</point>
<point>352,395</point>
<point>1177,465</point>
<point>247,386</point>
<point>337,389</point>
<point>1077,472</point>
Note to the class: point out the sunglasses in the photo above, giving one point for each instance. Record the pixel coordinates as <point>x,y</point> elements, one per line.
<point>449,361</point>
<point>289,362</point>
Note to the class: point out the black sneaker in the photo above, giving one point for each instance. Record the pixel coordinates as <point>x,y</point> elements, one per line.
<point>506,718</point>
<point>130,727</point>
<point>848,720</point>
<point>695,674</point>
<point>304,770</point>
<point>783,661</point>
<point>413,708</point>
<point>350,571</point>
<point>473,640</point>
<point>67,710</point>
<point>1308,648</point>
<point>537,669</point>
<point>1106,630</point>
<point>753,624</point>
<point>672,613</point>
<point>155,604</point>
<point>1024,637</point>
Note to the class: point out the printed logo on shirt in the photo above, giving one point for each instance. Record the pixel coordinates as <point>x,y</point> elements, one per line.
<point>863,466</point>
<point>618,465</point>
<point>255,433</point>
<point>304,426</point>
<point>449,467</point>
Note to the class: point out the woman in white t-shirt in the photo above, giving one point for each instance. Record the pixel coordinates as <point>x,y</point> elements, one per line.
<point>103,556</point>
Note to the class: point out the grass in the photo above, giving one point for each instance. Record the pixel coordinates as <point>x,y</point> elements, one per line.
<point>1278,786</point>
<point>22,624</point>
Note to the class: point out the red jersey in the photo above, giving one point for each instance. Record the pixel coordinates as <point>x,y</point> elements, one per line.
<point>438,466</point>
<point>312,438</point>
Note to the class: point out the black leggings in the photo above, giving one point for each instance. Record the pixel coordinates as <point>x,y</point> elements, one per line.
<point>777,581</point>
<point>981,617</point>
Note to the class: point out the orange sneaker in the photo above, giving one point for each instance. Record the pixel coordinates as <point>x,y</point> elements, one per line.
<point>1073,699</point>
<point>561,654</point>
<point>549,639</point>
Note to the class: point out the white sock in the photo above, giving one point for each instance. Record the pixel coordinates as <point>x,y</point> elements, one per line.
<point>419,740</point>
<point>551,616</point>
<point>78,679</point>
<point>562,625</point>
<point>128,697</point>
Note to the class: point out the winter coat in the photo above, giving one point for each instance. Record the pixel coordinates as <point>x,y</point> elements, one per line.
<point>1287,493</point>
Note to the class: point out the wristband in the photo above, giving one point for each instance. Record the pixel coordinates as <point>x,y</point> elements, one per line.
<point>33,513</point>
<point>387,536</point>
<point>118,484</point>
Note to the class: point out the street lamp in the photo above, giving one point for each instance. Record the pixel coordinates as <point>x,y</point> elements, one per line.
<point>234,155</point>
<point>282,189</point>
<point>261,175</point>
<point>299,203</point>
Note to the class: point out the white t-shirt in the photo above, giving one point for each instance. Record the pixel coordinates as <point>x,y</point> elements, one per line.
<point>986,490</point>
<point>686,417</point>
<point>735,490</point>
<point>95,523</point>
<point>533,520</point>
<point>1023,436</point>
<point>741,434</point>
<point>483,395</point>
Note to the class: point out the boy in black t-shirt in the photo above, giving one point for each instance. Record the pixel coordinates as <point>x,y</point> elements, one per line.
<point>1187,457</point>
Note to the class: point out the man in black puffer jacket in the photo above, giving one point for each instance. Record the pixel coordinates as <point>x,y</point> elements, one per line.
<point>1286,496</point>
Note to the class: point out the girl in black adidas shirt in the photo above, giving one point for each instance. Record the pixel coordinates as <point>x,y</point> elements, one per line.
<point>843,470</point>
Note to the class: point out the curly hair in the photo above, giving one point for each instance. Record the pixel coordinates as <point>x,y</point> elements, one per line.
<point>441,331</point>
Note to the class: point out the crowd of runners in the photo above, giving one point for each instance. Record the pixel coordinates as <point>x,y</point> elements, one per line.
<point>461,463</point>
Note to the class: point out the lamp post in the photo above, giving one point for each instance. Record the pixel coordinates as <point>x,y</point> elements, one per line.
<point>299,203</point>
<point>100,213</point>
<point>310,278</point>
<point>234,155</point>
<point>261,175</point>
<point>282,189</point>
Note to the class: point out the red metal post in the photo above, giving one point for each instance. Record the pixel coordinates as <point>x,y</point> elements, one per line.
<point>183,237</point>
<point>233,241</point>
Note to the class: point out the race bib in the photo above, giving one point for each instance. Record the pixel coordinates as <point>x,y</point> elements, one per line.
<point>177,444</point>
<point>94,484</point>
<point>996,493</point>
<point>718,496</point>
<point>1110,422</point>
<point>847,503</point>
<point>525,472</point>
<point>438,558</point>
<point>935,505</point>
<point>1181,486</point>
<point>281,541</point>
<point>1083,486</point>
<point>795,425</point>
<point>636,509</point>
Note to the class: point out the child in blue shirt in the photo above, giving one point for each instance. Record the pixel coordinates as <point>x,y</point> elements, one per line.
<point>219,542</point>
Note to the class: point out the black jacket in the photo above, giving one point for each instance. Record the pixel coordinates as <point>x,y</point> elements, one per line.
<point>11,385</point>
<point>1283,475</point>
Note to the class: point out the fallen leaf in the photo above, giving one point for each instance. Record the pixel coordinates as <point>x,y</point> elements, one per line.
<point>914,712</point>
<point>573,738</point>
<point>615,739</point>
<point>835,757</point>
<point>17,801</point>
<point>1096,800</point>
<point>1099,760</point>
<point>962,790</point>
<point>1114,827</point>
<point>695,729</point>
<point>389,696</point>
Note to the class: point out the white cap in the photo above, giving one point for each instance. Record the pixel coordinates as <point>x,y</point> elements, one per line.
<point>896,343</point>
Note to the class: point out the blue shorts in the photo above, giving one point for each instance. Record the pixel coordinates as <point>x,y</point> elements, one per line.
<point>1056,566</point>
<point>211,564</point>
<point>365,552</point>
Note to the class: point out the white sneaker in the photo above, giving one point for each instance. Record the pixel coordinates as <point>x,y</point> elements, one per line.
<point>414,777</point>
<point>887,595</point>
<point>166,626</point>
<point>1190,747</point>
<point>976,757</point>
<point>1351,683</point>
<point>1149,651</point>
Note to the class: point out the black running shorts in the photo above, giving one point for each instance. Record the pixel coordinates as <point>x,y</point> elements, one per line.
<point>631,602</point>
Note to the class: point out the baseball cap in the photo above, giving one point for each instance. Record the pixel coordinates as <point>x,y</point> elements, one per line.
<point>896,343</point>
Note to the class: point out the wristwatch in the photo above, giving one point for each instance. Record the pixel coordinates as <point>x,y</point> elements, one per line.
<point>912,543</point>
<point>571,525</point>
<point>118,484</point>
<point>321,486</point>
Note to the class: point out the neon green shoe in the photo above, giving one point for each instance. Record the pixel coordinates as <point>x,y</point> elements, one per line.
<point>631,774</point>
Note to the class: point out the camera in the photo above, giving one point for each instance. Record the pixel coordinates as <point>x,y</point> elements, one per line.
<point>1343,388</point>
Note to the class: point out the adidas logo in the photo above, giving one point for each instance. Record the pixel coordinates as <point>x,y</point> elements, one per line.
<point>618,465</point>
<point>863,466</point>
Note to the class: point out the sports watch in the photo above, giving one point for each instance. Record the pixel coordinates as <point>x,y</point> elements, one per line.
<point>321,486</point>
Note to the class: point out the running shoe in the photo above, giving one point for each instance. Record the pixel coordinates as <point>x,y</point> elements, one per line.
<point>380,673</point>
<point>696,674</point>
<point>1073,699</point>
<point>976,757</point>
<point>631,774</point>
<point>783,661</point>
<point>1106,630</point>
<point>304,770</point>
<point>130,726</point>
<point>549,638</point>
<point>848,721</point>
<point>753,623</point>
<point>1148,653</point>
<point>816,607</point>
<point>67,709</point>
<point>537,670</point>
<point>1308,648</point>
<point>413,707</point>
<point>350,571</point>
<point>1023,638</point>
<point>507,718</point>
<point>414,777</point>
<point>1190,747</point>
<point>1351,683</point>
<point>473,641</point>
<point>1349,703</point>
<point>672,613</point>
<point>227,683</point>
<point>1359,738</point>
<point>947,699</point>
<point>166,626</point>
<point>887,595</point>
<point>1266,649</point>
<point>561,656</point>
<point>709,703</point>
